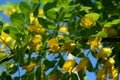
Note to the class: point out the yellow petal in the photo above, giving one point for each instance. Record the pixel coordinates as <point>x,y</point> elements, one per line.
<point>101,75</point>
<point>87,22</point>
<point>69,46</point>
<point>68,65</point>
<point>53,41</point>
<point>83,64</point>
<point>95,44</point>
<point>63,29</point>
<point>114,74</point>
<point>30,66</point>
<point>40,12</point>
<point>36,39</point>
<point>104,53</point>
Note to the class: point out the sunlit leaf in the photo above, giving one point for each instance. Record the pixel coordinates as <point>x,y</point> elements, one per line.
<point>24,7</point>
<point>115,21</point>
<point>95,16</point>
<point>102,34</point>
<point>17,19</point>
<point>108,24</point>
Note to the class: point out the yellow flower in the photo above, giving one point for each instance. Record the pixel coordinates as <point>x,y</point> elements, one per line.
<point>87,22</point>
<point>68,65</point>
<point>83,64</point>
<point>40,12</point>
<point>36,42</point>
<point>63,29</point>
<point>95,43</point>
<point>10,11</point>
<point>101,75</point>
<point>69,46</point>
<point>53,43</point>
<point>114,74</point>
<point>33,19</point>
<point>104,53</point>
<point>36,29</point>
<point>30,66</point>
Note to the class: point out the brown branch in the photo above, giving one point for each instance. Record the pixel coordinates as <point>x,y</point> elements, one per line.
<point>6,59</point>
<point>105,40</point>
<point>111,40</point>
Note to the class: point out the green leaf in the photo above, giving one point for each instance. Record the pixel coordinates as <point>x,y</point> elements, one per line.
<point>50,64</point>
<point>19,55</point>
<point>116,21</point>
<point>102,34</point>
<point>48,6</point>
<point>74,77</point>
<point>38,73</point>
<point>52,13</point>
<point>63,3</point>
<point>90,67</point>
<point>47,23</point>
<point>95,16</point>
<point>3,55</point>
<point>24,7</point>
<point>35,1</point>
<point>17,19</point>
<point>85,8</point>
<point>51,25</point>
<point>5,76</point>
<point>30,76</point>
<point>108,24</point>
<point>26,38</point>
<point>46,1</point>
<point>12,31</point>
<point>1,26</point>
<point>13,70</point>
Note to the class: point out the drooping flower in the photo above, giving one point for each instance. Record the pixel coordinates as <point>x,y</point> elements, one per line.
<point>114,73</point>
<point>38,29</point>
<point>95,44</point>
<point>101,75</point>
<point>54,76</point>
<point>53,43</point>
<point>36,42</point>
<point>68,66</point>
<point>30,66</point>
<point>111,32</point>
<point>104,53</point>
<point>69,47</point>
<point>87,22</point>
<point>83,64</point>
<point>33,19</point>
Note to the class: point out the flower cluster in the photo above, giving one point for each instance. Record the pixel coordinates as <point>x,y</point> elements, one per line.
<point>108,68</point>
<point>87,22</point>
<point>36,42</point>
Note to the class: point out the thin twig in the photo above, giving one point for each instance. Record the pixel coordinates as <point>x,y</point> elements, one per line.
<point>6,59</point>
